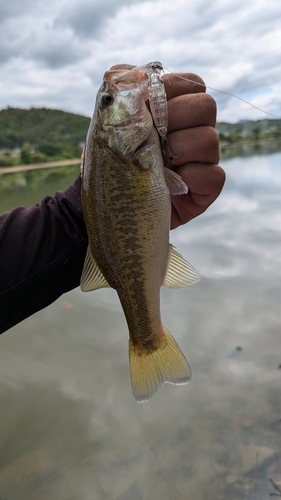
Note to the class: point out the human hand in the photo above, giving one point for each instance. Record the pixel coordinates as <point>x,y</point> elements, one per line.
<point>191,130</point>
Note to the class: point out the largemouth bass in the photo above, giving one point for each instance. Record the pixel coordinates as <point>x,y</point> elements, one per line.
<point>127,209</point>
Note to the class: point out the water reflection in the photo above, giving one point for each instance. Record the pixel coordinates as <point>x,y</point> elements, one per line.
<point>26,188</point>
<point>69,425</point>
<point>248,150</point>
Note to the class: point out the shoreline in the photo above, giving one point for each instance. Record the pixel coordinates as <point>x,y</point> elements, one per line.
<point>39,166</point>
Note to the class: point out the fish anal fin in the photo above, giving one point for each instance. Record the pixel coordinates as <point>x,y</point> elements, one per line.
<point>174,182</point>
<point>92,277</point>
<point>149,369</point>
<point>179,272</point>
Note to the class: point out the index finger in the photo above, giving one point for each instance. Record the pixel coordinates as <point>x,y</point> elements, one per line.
<point>182,83</point>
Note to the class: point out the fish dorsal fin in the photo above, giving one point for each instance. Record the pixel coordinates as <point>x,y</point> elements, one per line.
<point>174,182</point>
<point>179,273</point>
<point>92,277</point>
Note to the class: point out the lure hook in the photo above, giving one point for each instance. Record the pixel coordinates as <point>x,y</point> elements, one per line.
<point>170,154</point>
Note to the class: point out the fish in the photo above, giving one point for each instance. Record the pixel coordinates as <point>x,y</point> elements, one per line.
<point>127,209</point>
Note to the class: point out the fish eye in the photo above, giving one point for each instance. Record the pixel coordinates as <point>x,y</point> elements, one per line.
<point>107,99</point>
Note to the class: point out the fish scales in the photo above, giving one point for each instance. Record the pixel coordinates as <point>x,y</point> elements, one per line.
<point>132,211</point>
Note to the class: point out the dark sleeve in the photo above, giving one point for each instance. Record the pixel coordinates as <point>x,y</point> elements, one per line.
<point>42,251</point>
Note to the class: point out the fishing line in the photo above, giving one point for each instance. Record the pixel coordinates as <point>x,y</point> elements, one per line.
<point>226,93</point>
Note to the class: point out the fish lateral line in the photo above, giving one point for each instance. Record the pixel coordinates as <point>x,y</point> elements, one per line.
<point>224,92</point>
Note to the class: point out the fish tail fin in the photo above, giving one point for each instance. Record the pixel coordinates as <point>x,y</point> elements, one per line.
<point>150,368</point>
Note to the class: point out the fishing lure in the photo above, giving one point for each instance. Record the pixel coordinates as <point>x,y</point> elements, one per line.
<point>158,103</point>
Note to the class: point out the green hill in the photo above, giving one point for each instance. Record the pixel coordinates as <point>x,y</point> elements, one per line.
<point>37,126</point>
<point>249,130</point>
<point>38,135</point>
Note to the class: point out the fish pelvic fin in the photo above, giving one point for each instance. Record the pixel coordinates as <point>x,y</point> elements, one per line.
<point>150,368</point>
<point>174,182</point>
<point>179,272</point>
<point>92,277</point>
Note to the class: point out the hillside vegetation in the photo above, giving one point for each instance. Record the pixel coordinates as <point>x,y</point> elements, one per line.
<point>40,135</point>
<point>37,125</point>
<point>249,131</point>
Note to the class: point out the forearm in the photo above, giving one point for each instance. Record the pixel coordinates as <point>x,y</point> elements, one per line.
<point>42,251</point>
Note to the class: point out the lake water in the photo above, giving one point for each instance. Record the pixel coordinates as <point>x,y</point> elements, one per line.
<point>70,428</point>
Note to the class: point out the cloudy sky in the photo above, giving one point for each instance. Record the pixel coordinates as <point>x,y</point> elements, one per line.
<point>54,53</point>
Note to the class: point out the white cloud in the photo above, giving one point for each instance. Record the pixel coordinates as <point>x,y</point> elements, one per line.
<point>55,53</point>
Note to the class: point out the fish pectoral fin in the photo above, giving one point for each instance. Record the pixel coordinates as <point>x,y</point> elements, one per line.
<point>149,369</point>
<point>174,182</point>
<point>92,277</point>
<point>179,272</point>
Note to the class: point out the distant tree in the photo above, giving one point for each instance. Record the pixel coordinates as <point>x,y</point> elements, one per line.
<point>6,161</point>
<point>38,157</point>
<point>25,156</point>
<point>256,133</point>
